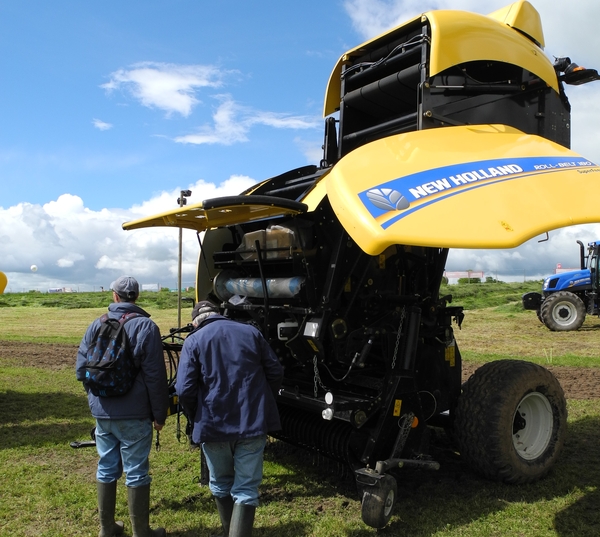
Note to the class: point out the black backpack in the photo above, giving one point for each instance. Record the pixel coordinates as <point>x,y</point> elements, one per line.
<point>110,370</point>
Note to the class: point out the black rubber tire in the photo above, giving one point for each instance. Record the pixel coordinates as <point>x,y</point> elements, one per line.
<point>506,408</point>
<point>538,312</point>
<point>378,502</point>
<point>563,311</point>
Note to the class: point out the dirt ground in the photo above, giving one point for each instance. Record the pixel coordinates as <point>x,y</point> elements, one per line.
<point>577,382</point>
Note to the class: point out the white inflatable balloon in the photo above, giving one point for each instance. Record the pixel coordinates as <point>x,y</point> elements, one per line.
<point>33,268</point>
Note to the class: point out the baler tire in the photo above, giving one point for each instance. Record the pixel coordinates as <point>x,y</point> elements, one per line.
<point>511,421</point>
<point>563,311</point>
<point>378,502</point>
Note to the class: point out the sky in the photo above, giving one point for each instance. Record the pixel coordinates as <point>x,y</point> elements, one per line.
<point>109,109</point>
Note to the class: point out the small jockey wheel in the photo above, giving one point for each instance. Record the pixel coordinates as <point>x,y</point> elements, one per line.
<point>378,502</point>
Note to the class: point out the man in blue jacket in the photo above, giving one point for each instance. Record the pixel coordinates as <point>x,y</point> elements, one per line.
<point>227,380</point>
<point>124,423</point>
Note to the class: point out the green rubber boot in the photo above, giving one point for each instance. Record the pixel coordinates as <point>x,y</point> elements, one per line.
<point>225,509</point>
<point>107,498</point>
<point>242,520</point>
<point>138,500</point>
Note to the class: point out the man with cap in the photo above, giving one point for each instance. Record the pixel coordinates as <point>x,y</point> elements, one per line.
<point>227,380</point>
<point>124,423</point>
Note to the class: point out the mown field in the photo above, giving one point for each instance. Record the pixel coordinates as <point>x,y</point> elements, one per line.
<point>47,488</point>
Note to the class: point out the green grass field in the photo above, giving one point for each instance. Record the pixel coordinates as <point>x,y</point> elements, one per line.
<point>48,489</point>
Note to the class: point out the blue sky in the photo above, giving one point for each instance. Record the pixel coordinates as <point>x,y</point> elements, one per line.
<point>110,108</point>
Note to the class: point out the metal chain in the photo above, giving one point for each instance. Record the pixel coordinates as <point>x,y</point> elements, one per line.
<point>318,381</point>
<point>402,315</point>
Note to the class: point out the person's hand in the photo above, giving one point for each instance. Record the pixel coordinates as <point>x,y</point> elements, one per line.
<point>158,426</point>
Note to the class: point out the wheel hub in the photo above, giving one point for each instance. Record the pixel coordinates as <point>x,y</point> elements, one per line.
<point>532,425</point>
<point>563,313</point>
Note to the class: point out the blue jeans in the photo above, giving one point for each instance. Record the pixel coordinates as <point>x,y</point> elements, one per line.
<point>124,446</point>
<point>236,468</point>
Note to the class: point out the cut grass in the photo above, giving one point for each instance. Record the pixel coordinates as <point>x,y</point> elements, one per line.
<point>48,489</point>
<point>491,333</point>
<point>35,299</point>
<point>67,326</point>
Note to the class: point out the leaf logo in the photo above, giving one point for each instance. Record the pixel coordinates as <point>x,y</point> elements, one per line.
<point>387,199</point>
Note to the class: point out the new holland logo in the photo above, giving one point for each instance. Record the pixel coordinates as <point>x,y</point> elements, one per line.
<point>387,199</point>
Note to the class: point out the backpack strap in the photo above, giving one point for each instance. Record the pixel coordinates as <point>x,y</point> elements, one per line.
<point>124,318</point>
<point>128,316</point>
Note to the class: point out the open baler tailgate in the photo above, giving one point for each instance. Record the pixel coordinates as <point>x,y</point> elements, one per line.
<point>482,186</point>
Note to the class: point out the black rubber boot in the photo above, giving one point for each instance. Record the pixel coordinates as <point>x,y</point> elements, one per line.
<point>107,498</point>
<point>138,500</point>
<point>242,520</point>
<point>225,509</point>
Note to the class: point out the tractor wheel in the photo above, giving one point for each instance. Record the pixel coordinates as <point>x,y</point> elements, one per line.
<point>511,421</point>
<point>538,312</point>
<point>563,311</point>
<point>378,502</point>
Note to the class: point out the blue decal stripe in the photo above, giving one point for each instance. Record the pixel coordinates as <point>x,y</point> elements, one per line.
<point>468,188</point>
<point>402,192</point>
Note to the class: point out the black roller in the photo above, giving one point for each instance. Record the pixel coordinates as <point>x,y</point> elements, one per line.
<point>334,439</point>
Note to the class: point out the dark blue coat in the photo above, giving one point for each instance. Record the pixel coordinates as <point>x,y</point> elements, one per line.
<point>227,379</point>
<point>149,396</point>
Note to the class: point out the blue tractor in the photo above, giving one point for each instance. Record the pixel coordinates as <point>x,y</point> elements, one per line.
<point>567,297</point>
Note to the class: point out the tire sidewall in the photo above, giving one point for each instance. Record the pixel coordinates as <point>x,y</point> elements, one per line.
<point>485,415</point>
<point>507,455</point>
<point>552,302</point>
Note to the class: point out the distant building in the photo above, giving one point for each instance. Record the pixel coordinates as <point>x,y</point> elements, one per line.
<point>60,290</point>
<point>150,287</point>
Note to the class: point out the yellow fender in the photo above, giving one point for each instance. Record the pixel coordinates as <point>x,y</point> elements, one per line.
<point>479,186</point>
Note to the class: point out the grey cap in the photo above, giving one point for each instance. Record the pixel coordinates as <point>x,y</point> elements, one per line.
<point>126,287</point>
<point>202,310</point>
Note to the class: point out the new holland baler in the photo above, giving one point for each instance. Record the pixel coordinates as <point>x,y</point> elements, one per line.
<point>449,131</point>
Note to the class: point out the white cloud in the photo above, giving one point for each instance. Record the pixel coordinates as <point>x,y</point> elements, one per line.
<point>232,122</point>
<point>173,88</point>
<point>312,150</point>
<point>534,259</point>
<point>372,17</point>
<point>101,125</point>
<point>165,86</point>
<point>74,246</point>
<point>69,260</point>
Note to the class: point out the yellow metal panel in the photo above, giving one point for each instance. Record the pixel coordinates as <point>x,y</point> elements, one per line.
<point>482,186</point>
<point>316,194</point>
<point>220,212</point>
<point>192,217</point>
<point>459,36</point>
<point>524,17</point>
<point>450,355</point>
